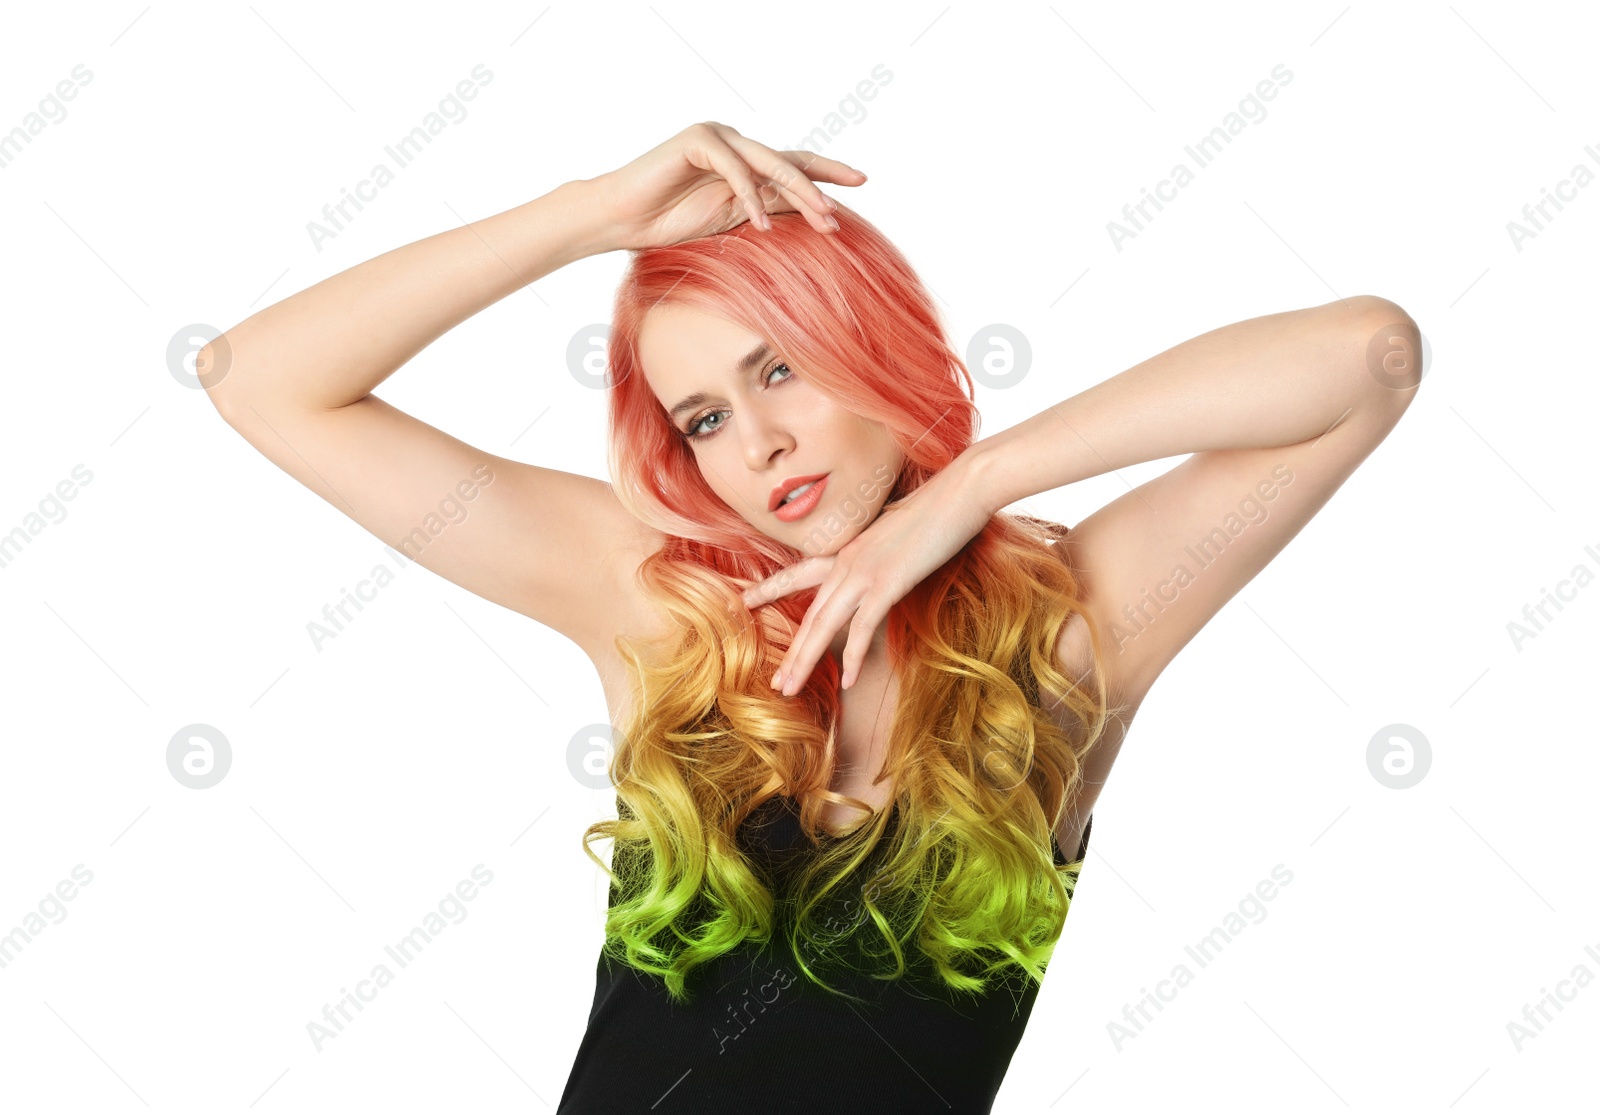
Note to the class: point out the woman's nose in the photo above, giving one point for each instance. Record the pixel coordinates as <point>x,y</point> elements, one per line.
<point>762,440</point>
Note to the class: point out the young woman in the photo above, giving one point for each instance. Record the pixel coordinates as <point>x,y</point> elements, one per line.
<point>862,712</point>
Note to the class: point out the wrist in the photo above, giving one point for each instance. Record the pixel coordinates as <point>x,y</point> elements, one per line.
<point>978,475</point>
<point>580,210</point>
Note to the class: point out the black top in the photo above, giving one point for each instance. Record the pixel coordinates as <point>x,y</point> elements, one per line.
<point>757,1036</point>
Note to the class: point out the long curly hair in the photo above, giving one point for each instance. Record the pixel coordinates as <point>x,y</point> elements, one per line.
<point>981,772</point>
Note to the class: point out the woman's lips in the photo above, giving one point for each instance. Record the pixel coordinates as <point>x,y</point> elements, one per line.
<point>803,504</point>
<point>789,483</point>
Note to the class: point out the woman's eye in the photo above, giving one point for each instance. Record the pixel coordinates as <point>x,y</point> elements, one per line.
<point>700,422</point>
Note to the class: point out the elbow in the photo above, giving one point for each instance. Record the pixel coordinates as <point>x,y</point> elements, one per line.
<point>1390,345</point>
<point>211,366</point>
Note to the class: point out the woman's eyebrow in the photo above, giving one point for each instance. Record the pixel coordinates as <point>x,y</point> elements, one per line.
<point>746,362</point>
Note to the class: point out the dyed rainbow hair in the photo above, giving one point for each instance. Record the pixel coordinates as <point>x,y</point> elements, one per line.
<point>981,774</point>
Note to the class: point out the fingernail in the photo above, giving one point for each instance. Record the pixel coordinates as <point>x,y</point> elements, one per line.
<point>833,224</point>
<point>831,203</point>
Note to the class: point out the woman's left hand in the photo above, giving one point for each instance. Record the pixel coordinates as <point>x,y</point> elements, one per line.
<point>874,571</point>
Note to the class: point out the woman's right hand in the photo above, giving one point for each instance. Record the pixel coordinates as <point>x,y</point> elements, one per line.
<point>707,179</point>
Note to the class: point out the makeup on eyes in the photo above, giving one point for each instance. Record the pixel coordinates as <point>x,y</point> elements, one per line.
<point>688,429</point>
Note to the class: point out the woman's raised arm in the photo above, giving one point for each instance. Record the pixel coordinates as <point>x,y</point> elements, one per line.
<point>295,380</point>
<point>333,343</point>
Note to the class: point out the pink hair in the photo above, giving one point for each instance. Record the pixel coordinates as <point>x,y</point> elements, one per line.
<point>844,307</point>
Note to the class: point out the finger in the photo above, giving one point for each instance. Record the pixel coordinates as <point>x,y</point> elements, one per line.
<point>801,191</point>
<point>839,173</point>
<point>821,621</point>
<point>784,679</point>
<point>792,171</point>
<point>817,633</point>
<point>858,641</point>
<point>863,630</point>
<point>728,163</point>
<point>792,578</point>
<point>780,192</point>
<point>793,181</point>
<point>810,162</point>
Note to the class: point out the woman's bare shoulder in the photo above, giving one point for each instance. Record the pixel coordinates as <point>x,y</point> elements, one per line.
<point>624,611</point>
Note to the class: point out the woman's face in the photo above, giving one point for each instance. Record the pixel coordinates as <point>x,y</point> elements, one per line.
<point>754,425</point>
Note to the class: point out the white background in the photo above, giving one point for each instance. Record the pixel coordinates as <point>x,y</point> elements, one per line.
<point>370,776</point>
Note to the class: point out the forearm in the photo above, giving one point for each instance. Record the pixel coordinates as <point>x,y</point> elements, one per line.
<point>1273,380</point>
<point>334,342</point>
